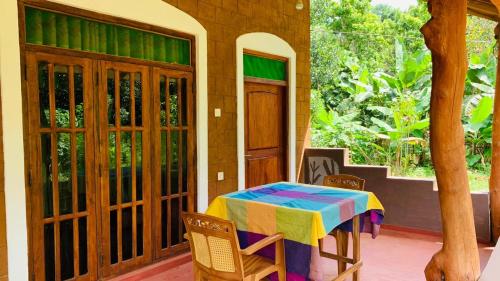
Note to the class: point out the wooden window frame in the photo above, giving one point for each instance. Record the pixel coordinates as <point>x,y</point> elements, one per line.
<point>26,47</point>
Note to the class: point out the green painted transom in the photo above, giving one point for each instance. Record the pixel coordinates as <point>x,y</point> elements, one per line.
<point>260,67</point>
<point>69,32</point>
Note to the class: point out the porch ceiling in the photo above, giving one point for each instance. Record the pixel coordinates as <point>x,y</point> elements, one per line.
<point>483,8</point>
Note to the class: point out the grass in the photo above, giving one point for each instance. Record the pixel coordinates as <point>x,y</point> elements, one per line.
<point>478,179</point>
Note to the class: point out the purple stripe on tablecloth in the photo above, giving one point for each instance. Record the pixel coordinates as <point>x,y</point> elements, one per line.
<point>297,255</point>
<point>290,194</point>
<point>346,208</point>
<point>323,198</point>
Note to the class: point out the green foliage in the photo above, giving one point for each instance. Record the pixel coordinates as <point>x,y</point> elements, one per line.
<point>371,76</point>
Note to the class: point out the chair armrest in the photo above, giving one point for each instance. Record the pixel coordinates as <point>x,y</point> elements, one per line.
<point>250,250</point>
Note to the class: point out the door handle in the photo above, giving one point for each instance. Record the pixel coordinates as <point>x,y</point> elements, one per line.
<point>248,155</point>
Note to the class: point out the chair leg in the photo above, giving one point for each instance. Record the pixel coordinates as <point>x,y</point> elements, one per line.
<point>342,239</point>
<point>280,260</point>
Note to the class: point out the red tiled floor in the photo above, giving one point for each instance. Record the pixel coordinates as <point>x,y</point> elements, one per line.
<point>393,256</point>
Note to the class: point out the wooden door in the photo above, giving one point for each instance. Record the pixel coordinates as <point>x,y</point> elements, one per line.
<point>125,148</point>
<point>174,157</point>
<point>62,167</point>
<point>265,134</point>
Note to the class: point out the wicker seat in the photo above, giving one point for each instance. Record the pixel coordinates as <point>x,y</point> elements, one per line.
<point>342,237</point>
<point>217,254</point>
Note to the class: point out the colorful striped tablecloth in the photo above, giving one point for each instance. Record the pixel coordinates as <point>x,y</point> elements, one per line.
<point>304,213</point>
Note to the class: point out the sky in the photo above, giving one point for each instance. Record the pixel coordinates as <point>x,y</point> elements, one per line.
<point>401,4</point>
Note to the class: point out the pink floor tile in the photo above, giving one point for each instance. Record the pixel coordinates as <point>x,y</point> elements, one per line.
<point>393,256</point>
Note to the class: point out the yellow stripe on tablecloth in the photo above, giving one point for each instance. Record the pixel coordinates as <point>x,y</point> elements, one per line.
<point>218,208</point>
<point>373,203</point>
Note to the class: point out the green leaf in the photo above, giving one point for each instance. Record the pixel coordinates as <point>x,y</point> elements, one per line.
<point>382,109</point>
<point>382,124</point>
<point>482,111</point>
<point>483,88</point>
<point>420,125</point>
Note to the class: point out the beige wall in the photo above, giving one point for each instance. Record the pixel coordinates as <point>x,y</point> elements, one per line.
<point>225,21</point>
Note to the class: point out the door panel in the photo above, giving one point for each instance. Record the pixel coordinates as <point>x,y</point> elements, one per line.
<point>62,196</point>
<point>265,134</point>
<point>125,151</point>
<point>174,156</point>
<point>264,120</point>
<point>94,129</point>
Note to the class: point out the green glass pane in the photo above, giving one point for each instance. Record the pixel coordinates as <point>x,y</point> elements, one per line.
<point>184,161</point>
<point>184,102</point>
<point>64,173</point>
<point>62,96</point>
<point>66,249</point>
<point>46,175</point>
<point>49,251</point>
<point>264,68</point>
<point>43,93</point>
<point>113,236</point>
<point>127,234</point>
<point>138,164</point>
<point>138,98</point>
<point>112,167</point>
<point>163,101</point>
<point>164,224</point>
<point>173,102</point>
<point>80,170</point>
<point>111,98</point>
<point>126,165</point>
<point>175,221</point>
<point>125,103</point>
<point>174,162</point>
<point>82,237</point>
<point>79,106</point>
<point>163,164</point>
<point>140,231</point>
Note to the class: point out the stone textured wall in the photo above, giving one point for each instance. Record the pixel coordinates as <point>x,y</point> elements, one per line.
<point>225,21</point>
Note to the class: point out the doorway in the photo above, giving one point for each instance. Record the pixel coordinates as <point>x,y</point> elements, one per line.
<point>96,130</point>
<point>265,133</point>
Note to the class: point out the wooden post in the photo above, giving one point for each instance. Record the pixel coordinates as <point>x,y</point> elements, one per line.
<point>458,260</point>
<point>495,159</point>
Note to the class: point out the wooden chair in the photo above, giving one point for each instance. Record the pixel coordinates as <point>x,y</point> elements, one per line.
<point>217,254</point>
<point>342,237</point>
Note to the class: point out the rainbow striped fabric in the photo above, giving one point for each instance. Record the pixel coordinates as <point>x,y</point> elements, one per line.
<point>304,213</point>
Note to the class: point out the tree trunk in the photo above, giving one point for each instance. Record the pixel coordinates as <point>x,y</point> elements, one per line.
<point>495,159</point>
<point>458,260</point>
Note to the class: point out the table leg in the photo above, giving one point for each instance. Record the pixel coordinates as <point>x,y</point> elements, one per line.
<point>356,245</point>
<point>342,239</point>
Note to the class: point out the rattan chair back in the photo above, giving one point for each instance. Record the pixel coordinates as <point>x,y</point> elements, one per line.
<point>344,181</point>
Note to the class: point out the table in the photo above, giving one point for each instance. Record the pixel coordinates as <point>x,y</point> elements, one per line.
<point>304,213</point>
